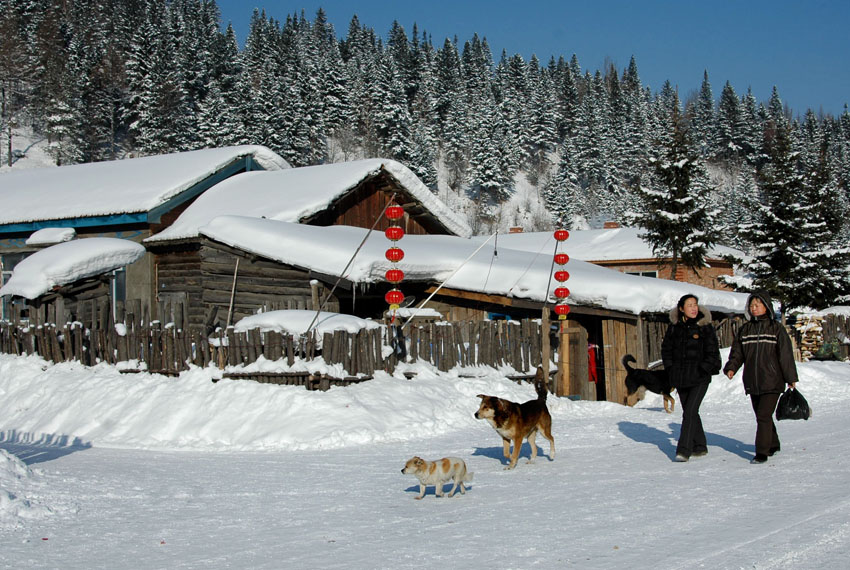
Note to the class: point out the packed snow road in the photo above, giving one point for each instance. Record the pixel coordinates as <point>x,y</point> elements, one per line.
<point>612,498</point>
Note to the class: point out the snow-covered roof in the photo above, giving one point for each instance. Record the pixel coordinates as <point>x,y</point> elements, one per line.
<point>512,273</point>
<point>615,244</point>
<point>297,321</point>
<point>298,193</point>
<point>70,261</point>
<point>116,187</point>
<point>50,236</point>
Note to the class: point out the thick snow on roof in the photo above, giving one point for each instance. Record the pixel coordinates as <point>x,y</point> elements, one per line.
<point>595,245</point>
<point>50,236</point>
<point>298,321</point>
<point>69,261</point>
<point>294,194</point>
<point>511,272</point>
<point>115,187</point>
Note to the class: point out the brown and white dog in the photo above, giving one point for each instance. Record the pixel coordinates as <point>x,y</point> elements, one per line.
<point>437,473</point>
<point>516,422</point>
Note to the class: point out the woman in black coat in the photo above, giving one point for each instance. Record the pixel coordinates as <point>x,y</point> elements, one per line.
<point>763,348</point>
<point>691,356</point>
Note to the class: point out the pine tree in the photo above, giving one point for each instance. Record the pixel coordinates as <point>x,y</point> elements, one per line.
<point>542,130</point>
<point>563,195</point>
<point>14,69</point>
<point>393,124</point>
<point>728,137</point>
<point>702,120</point>
<point>824,267</point>
<point>675,218</point>
<point>777,235</point>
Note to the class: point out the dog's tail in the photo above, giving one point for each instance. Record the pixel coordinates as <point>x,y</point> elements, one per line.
<point>468,477</point>
<point>626,359</point>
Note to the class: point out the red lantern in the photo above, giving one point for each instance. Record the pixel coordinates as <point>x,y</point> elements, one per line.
<point>561,258</point>
<point>394,212</point>
<point>394,233</point>
<point>394,275</point>
<point>395,254</point>
<point>562,310</point>
<point>561,276</point>
<point>561,235</point>
<point>562,292</point>
<point>394,297</point>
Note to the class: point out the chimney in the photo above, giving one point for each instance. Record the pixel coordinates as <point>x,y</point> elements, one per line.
<point>515,230</point>
<point>610,225</point>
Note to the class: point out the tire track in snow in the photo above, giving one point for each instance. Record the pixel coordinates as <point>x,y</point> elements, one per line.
<point>830,525</point>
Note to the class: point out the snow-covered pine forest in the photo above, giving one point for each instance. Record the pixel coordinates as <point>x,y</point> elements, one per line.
<point>508,141</point>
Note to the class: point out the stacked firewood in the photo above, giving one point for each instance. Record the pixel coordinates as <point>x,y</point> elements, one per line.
<point>809,330</point>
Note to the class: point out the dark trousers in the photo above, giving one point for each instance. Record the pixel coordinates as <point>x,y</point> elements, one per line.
<point>692,436</point>
<point>766,438</point>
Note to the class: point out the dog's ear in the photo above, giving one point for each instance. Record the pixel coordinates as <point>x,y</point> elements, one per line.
<point>482,396</point>
<point>540,376</point>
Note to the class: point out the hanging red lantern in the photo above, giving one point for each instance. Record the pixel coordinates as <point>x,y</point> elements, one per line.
<point>562,310</point>
<point>394,275</point>
<point>561,235</point>
<point>562,292</point>
<point>394,212</point>
<point>561,258</point>
<point>394,297</point>
<point>395,254</point>
<point>394,233</point>
<point>561,276</point>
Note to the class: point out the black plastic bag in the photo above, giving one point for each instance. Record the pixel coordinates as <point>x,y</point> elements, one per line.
<point>792,406</point>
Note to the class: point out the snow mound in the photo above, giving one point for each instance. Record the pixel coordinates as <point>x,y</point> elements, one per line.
<point>296,321</point>
<point>16,483</point>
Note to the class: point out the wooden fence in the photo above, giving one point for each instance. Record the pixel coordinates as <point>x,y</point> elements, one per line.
<point>654,333</point>
<point>168,349</point>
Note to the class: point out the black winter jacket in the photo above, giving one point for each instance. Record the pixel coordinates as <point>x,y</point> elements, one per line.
<point>763,347</point>
<point>690,350</point>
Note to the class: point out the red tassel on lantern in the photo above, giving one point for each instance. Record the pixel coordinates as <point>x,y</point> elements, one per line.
<point>561,258</point>
<point>395,254</point>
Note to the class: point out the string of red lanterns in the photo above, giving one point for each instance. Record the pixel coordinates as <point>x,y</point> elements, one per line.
<point>561,275</point>
<point>394,254</point>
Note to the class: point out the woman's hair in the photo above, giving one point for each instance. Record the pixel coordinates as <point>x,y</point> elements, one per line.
<point>684,298</point>
<point>681,304</point>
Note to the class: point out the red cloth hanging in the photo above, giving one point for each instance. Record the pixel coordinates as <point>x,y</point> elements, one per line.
<point>591,363</point>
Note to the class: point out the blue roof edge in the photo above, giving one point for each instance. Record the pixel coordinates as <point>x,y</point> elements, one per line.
<point>246,163</point>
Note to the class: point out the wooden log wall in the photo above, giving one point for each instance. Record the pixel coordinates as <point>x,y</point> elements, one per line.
<point>259,283</point>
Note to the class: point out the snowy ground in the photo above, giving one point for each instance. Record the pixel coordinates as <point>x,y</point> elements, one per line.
<point>142,471</point>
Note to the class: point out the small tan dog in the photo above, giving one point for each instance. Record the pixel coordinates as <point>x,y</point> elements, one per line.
<point>437,473</point>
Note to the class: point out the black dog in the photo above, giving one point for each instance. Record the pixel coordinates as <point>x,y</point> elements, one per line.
<point>638,381</point>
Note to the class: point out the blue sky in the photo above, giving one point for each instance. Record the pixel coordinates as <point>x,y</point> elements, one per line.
<point>800,47</point>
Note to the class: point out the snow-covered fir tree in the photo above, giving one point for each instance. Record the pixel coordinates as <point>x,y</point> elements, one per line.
<point>676,220</point>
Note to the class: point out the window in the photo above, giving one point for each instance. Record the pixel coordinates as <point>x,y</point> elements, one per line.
<point>643,273</point>
<point>119,288</point>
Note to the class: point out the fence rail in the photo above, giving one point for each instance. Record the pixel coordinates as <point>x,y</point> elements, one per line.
<point>167,349</point>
